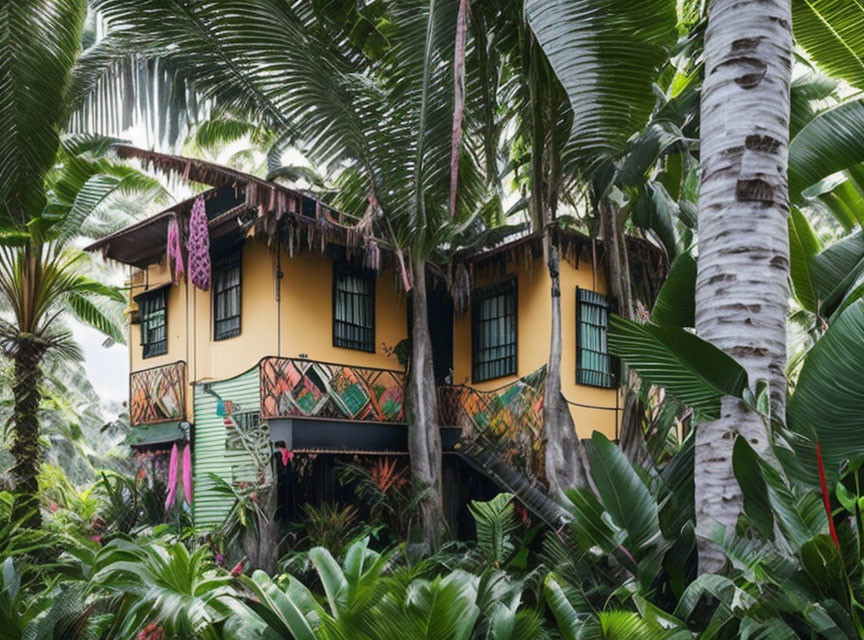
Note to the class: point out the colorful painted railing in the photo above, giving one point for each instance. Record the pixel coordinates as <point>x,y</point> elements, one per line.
<point>293,387</point>
<point>508,419</point>
<point>158,394</point>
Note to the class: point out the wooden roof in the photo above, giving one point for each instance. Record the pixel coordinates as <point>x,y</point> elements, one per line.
<point>235,202</point>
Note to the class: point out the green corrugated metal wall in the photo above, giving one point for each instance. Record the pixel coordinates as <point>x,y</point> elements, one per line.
<point>211,456</point>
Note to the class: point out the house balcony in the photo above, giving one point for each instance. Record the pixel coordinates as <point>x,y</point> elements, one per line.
<point>157,405</point>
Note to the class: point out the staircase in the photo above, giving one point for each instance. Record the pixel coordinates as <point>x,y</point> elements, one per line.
<point>484,459</point>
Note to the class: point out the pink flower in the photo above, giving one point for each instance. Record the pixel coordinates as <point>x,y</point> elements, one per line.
<point>54,507</point>
<point>286,456</point>
<point>238,569</point>
<point>219,558</point>
<point>97,538</point>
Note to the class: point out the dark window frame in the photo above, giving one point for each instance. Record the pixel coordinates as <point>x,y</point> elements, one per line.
<point>594,377</point>
<point>152,348</point>
<point>365,340</point>
<point>230,260</point>
<point>507,287</point>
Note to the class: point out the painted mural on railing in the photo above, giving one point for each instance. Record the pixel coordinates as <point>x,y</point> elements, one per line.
<point>158,394</point>
<point>509,418</point>
<point>293,387</point>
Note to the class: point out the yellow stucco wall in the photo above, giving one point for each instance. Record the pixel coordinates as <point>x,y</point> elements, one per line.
<point>533,325</point>
<point>296,321</point>
<point>299,321</point>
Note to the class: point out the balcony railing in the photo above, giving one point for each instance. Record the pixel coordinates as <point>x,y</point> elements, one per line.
<point>508,420</point>
<point>158,395</point>
<point>299,388</point>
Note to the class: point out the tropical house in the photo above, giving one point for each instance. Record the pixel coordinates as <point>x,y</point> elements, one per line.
<point>293,351</point>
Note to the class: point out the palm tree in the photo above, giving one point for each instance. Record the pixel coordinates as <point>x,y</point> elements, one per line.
<point>743,265</point>
<point>367,92</point>
<point>49,186</point>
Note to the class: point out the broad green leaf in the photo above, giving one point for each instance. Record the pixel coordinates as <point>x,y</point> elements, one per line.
<point>676,303</point>
<point>829,396</point>
<point>845,203</point>
<point>607,55</point>
<point>624,495</point>
<point>831,142</point>
<point>803,247</point>
<point>692,370</point>
<point>568,619</point>
<point>832,34</point>
<point>757,503</point>
<point>834,271</point>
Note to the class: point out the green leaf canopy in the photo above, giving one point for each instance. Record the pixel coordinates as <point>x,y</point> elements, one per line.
<point>607,55</point>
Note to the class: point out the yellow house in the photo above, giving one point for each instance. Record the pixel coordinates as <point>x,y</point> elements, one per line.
<point>295,348</point>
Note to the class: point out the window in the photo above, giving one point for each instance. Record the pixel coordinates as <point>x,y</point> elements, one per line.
<point>226,296</point>
<point>493,331</point>
<point>594,365</point>
<point>353,309</point>
<point>154,322</point>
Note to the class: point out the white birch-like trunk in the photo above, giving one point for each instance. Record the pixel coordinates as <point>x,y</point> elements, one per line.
<point>741,289</point>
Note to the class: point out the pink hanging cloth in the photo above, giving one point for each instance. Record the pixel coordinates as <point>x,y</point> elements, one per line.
<point>172,478</point>
<point>199,246</point>
<point>187,473</point>
<point>173,252</point>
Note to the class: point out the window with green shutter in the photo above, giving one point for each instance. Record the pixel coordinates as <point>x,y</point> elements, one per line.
<point>353,309</point>
<point>226,296</point>
<point>152,311</point>
<point>493,331</point>
<point>594,365</point>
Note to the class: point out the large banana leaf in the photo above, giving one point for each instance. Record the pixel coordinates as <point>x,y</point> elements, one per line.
<point>829,396</point>
<point>830,142</point>
<point>607,55</point>
<point>803,247</point>
<point>624,495</point>
<point>694,371</point>
<point>832,33</point>
<point>835,271</point>
<point>676,303</point>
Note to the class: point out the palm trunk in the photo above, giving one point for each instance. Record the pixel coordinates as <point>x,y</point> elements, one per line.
<point>564,468</point>
<point>631,440</point>
<point>424,438</point>
<point>741,289</point>
<point>25,432</point>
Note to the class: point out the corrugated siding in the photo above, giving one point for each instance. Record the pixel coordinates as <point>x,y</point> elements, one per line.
<point>211,456</point>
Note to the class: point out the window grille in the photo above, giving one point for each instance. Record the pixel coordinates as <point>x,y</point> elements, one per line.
<point>152,310</point>
<point>493,331</point>
<point>226,296</point>
<point>594,365</point>
<point>353,310</point>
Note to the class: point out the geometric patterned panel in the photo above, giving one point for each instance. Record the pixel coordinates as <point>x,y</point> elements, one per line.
<point>158,394</point>
<point>509,418</point>
<point>307,388</point>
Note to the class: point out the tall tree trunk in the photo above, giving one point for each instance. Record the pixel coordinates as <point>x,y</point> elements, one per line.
<point>25,431</point>
<point>562,448</point>
<point>631,439</point>
<point>424,437</point>
<point>564,468</point>
<point>741,288</point>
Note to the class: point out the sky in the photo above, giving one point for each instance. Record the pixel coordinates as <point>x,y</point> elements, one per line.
<point>108,369</point>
